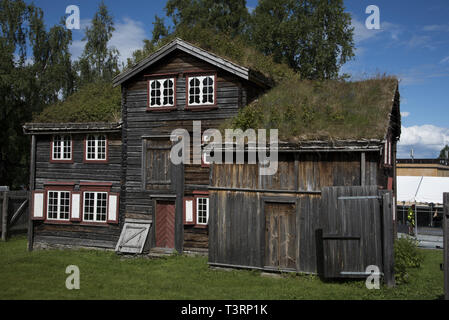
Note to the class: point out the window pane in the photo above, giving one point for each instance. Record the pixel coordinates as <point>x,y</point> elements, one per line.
<point>89,206</point>
<point>64,205</point>
<point>52,206</point>
<point>202,210</point>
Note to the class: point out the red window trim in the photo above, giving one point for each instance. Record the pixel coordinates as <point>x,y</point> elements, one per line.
<point>201,107</point>
<point>85,160</point>
<point>67,188</point>
<point>161,76</point>
<point>43,205</point>
<point>59,183</point>
<point>51,150</point>
<point>95,187</point>
<point>196,194</point>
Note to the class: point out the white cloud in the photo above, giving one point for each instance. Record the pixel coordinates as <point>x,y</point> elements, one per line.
<point>437,27</point>
<point>362,33</point>
<point>425,140</point>
<point>405,114</point>
<point>444,60</point>
<point>127,37</point>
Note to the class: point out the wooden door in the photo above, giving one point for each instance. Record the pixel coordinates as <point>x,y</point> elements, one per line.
<point>165,224</point>
<point>280,235</point>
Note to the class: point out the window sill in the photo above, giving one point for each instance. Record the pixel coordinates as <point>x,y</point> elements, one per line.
<point>161,109</point>
<point>201,108</point>
<point>61,161</point>
<point>95,161</point>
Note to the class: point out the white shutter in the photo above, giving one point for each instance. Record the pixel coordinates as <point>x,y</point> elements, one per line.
<point>76,197</point>
<point>189,217</point>
<point>113,208</point>
<point>38,205</point>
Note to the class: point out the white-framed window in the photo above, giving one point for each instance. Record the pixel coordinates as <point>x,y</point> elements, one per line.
<point>161,92</point>
<point>96,147</point>
<point>61,147</point>
<point>58,205</point>
<point>205,155</point>
<point>95,206</point>
<point>201,90</point>
<point>202,210</point>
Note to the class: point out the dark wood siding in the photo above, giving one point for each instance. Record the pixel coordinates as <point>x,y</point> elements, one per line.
<point>232,93</point>
<point>75,233</point>
<point>238,195</point>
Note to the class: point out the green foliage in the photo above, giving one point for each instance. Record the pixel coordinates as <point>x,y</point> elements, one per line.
<point>314,37</point>
<point>94,102</point>
<point>98,62</point>
<point>230,17</point>
<point>406,256</point>
<point>331,109</point>
<point>35,69</point>
<point>235,49</point>
<point>444,152</point>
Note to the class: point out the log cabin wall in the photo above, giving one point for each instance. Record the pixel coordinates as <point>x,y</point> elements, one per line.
<point>232,93</point>
<point>237,194</point>
<point>77,233</point>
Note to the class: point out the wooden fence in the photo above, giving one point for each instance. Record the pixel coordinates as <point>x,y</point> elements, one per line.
<point>14,212</point>
<point>446,245</point>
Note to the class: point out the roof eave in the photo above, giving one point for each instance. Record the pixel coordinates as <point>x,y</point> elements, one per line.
<point>73,127</point>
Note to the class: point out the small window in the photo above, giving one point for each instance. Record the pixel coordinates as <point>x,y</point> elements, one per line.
<point>201,90</point>
<point>58,205</point>
<point>161,93</point>
<point>95,206</point>
<point>61,148</point>
<point>202,210</point>
<point>205,160</point>
<point>96,148</point>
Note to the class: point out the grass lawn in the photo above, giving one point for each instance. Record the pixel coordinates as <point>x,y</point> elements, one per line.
<point>104,275</point>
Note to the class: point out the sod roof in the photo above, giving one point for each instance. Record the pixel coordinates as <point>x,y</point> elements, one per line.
<point>95,102</point>
<point>329,110</point>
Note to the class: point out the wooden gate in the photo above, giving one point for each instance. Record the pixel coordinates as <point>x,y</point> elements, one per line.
<point>14,207</point>
<point>280,235</point>
<point>356,232</point>
<point>165,224</point>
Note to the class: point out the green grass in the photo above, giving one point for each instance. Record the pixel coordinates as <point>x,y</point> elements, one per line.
<point>104,275</point>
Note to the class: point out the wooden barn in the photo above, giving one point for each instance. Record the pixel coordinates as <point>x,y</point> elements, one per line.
<point>329,208</point>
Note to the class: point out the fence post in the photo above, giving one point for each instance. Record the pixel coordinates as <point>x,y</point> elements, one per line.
<point>388,239</point>
<point>446,244</point>
<point>5,215</point>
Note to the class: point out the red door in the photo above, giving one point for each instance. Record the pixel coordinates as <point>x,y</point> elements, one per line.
<point>165,224</point>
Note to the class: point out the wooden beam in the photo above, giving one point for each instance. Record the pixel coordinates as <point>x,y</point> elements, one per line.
<point>32,187</point>
<point>362,168</point>
<point>446,244</point>
<point>5,215</point>
<point>388,239</point>
<point>18,212</point>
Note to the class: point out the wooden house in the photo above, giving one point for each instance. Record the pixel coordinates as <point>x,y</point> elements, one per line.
<point>76,184</point>
<point>178,84</point>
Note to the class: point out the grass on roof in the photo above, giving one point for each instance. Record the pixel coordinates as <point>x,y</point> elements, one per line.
<point>327,110</point>
<point>234,49</point>
<point>95,102</point>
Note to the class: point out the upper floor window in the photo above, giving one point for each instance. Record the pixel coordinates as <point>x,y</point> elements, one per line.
<point>96,148</point>
<point>201,90</point>
<point>61,148</point>
<point>161,93</point>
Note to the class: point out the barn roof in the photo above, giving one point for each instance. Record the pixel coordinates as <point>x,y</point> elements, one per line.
<point>196,51</point>
<point>317,112</point>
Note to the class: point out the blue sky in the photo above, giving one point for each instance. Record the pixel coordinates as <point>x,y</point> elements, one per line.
<point>412,43</point>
